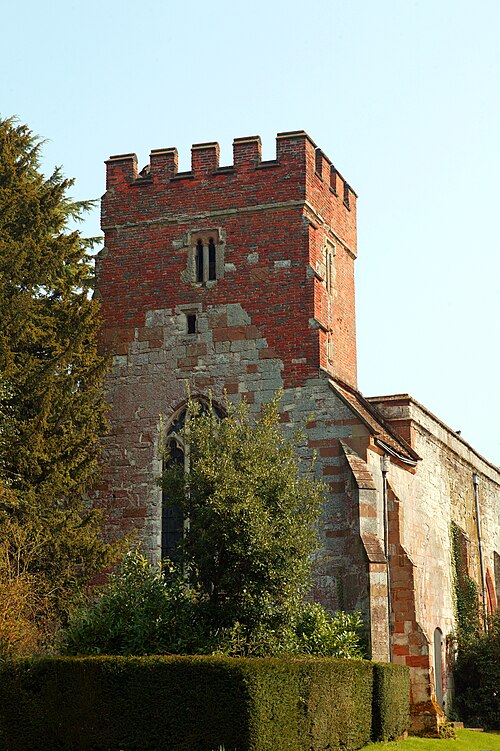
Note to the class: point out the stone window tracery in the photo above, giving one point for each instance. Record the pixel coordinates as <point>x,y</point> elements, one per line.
<point>208,258</point>
<point>173,525</point>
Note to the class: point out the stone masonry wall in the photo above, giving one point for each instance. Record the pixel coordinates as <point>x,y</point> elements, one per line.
<point>150,378</point>
<point>278,314</point>
<point>441,492</point>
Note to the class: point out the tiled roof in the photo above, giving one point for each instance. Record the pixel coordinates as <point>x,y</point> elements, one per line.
<point>375,422</point>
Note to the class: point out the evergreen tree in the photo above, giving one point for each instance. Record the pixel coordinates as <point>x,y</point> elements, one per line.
<point>51,404</point>
<point>250,535</point>
<point>245,563</point>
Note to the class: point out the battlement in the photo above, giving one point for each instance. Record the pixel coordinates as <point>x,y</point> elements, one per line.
<point>294,150</point>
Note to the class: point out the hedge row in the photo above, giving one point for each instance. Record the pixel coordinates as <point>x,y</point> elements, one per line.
<point>199,704</point>
<point>391,701</point>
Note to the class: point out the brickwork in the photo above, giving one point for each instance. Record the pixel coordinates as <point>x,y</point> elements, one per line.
<point>239,280</point>
<point>268,212</point>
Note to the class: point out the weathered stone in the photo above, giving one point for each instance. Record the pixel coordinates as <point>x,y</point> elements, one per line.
<point>285,320</point>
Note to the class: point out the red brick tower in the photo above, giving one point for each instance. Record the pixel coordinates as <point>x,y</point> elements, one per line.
<point>284,243</point>
<point>238,279</point>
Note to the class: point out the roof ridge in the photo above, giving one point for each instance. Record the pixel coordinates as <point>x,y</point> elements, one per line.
<point>377,417</point>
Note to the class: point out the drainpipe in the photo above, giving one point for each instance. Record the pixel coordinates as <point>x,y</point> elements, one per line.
<point>385,470</point>
<point>475,480</point>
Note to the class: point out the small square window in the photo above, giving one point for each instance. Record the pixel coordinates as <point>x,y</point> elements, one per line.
<point>191,323</point>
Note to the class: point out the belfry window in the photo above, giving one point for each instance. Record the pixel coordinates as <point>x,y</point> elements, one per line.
<point>207,257</point>
<point>199,261</point>
<point>211,259</point>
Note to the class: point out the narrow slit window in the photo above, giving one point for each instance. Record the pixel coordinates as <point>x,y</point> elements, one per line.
<point>329,253</point>
<point>199,261</point>
<point>191,323</point>
<point>329,272</point>
<point>211,259</point>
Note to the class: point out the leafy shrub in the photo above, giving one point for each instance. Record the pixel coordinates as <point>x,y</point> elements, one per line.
<point>24,608</point>
<point>18,630</point>
<point>147,609</point>
<point>477,679</point>
<point>318,633</point>
<point>144,609</point>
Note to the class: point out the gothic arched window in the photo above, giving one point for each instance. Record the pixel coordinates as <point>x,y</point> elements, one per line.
<point>172,522</point>
<point>208,256</point>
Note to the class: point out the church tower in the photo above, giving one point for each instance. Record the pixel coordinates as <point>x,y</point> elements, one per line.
<point>237,280</point>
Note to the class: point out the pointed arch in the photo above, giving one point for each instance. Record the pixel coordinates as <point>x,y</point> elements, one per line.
<point>173,525</point>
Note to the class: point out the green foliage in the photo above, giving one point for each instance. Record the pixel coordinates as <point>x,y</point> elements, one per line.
<point>465,591</point>
<point>477,679</point>
<point>251,513</point>
<point>391,701</point>
<point>147,609</point>
<point>144,609</point>
<point>330,636</point>
<point>24,606</point>
<point>185,704</point>
<point>51,403</point>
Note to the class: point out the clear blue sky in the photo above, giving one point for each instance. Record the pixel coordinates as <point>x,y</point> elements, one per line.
<point>402,95</point>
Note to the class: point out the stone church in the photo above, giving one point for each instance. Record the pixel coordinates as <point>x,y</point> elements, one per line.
<point>240,279</point>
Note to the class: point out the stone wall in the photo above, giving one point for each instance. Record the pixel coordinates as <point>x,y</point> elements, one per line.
<point>150,380</point>
<point>274,310</point>
<point>440,492</point>
<point>238,281</point>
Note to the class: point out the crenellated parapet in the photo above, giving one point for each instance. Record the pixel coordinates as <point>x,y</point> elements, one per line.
<point>300,171</point>
<point>275,225</point>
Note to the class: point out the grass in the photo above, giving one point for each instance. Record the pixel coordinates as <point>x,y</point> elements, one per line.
<point>466,740</point>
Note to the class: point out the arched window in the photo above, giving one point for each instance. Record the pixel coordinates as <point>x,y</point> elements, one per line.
<point>208,256</point>
<point>172,522</point>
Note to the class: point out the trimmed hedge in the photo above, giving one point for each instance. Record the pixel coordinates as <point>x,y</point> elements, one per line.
<point>391,701</point>
<point>194,703</point>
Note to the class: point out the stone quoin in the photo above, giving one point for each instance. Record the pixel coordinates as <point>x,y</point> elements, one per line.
<point>239,279</point>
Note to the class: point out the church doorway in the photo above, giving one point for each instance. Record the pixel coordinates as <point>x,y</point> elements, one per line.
<point>438,665</point>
